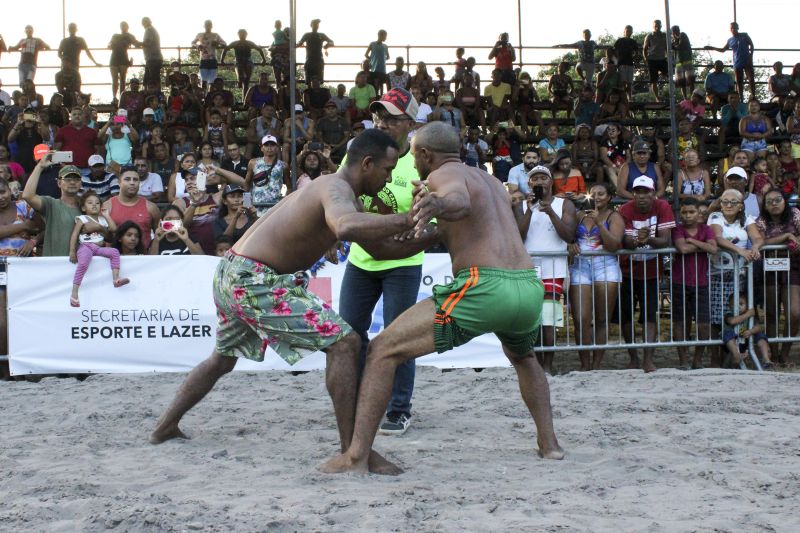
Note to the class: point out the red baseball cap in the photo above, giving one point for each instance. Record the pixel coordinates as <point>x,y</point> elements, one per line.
<point>39,151</point>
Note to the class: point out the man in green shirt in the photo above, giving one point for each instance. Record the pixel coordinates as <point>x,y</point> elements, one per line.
<point>398,280</point>
<point>361,96</point>
<point>59,214</point>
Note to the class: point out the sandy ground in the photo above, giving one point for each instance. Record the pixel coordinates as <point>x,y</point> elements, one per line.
<point>708,450</point>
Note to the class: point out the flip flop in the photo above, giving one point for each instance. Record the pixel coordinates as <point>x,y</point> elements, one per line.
<point>120,282</point>
<point>74,302</point>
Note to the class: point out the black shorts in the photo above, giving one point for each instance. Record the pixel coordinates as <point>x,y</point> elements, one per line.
<point>690,303</point>
<point>656,66</point>
<point>643,293</point>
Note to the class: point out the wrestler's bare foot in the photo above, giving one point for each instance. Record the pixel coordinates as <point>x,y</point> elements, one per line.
<point>554,452</point>
<point>648,365</point>
<point>343,463</point>
<point>380,465</point>
<point>164,434</point>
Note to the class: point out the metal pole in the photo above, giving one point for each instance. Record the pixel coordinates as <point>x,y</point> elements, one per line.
<point>734,10</point>
<point>293,87</point>
<point>519,30</point>
<point>63,19</point>
<point>673,127</point>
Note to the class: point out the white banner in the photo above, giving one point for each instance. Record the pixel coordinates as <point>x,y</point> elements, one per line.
<point>164,320</point>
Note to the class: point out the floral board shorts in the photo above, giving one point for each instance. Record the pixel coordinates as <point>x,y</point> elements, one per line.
<point>258,308</point>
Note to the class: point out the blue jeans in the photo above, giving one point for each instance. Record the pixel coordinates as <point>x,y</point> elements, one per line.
<point>361,290</point>
<point>26,72</point>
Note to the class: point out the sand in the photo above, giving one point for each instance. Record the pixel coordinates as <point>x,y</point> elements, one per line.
<point>708,450</point>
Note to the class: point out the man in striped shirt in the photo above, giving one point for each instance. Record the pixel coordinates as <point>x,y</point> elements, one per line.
<point>103,183</point>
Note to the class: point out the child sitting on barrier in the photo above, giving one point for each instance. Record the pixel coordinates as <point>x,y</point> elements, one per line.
<point>690,295</point>
<point>735,338</point>
<point>91,244</point>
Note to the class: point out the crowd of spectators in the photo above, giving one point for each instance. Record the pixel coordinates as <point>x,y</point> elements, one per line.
<point>181,166</point>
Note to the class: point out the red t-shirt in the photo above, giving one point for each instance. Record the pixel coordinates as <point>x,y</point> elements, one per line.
<point>645,266</point>
<point>503,60</point>
<point>81,142</point>
<point>691,269</point>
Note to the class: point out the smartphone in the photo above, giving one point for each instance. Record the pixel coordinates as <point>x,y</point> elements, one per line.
<point>589,205</point>
<point>247,200</point>
<point>171,225</point>
<point>28,116</point>
<point>61,157</point>
<point>202,177</point>
<point>315,146</point>
<point>538,192</point>
<point>503,124</point>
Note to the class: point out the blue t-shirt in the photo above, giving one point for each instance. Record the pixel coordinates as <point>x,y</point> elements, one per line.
<point>719,83</point>
<point>740,45</point>
<point>519,177</point>
<point>585,112</point>
<point>377,56</point>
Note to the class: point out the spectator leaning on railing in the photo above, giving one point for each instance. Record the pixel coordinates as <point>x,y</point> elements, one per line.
<point>648,224</point>
<point>780,224</point>
<point>695,241</point>
<point>739,241</point>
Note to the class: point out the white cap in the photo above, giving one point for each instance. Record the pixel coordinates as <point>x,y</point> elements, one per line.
<point>644,181</point>
<point>122,112</point>
<point>540,169</point>
<point>736,171</point>
<point>148,111</point>
<point>298,107</point>
<point>96,160</point>
<point>268,139</point>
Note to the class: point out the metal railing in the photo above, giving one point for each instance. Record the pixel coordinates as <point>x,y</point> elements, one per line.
<point>433,55</point>
<point>672,303</point>
<point>652,275</point>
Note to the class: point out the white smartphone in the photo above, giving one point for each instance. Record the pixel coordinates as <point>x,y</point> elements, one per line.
<point>61,157</point>
<point>171,225</point>
<point>247,200</point>
<point>202,176</point>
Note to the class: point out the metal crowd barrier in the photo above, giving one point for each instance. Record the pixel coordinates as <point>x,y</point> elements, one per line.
<point>762,281</point>
<point>674,302</point>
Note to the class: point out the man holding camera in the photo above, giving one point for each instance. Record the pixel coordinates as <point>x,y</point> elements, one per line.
<point>78,138</point>
<point>547,224</point>
<point>504,57</point>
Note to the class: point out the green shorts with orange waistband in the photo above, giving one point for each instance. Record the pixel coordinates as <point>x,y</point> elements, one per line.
<point>481,300</point>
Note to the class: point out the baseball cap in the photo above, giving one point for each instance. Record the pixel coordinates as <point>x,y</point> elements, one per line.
<point>736,172</point>
<point>268,139</point>
<point>699,92</point>
<point>96,160</point>
<point>641,146</point>
<point>39,151</point>
<point>231,188</point>
<point>644,181</point>
<point>148,111</point>
<point>298,107</point>
<point>119,120</point>
<point>540,169</point>
<point>330,103</point>
<point>69,170</point>
<point>397,102</point>
<point>122,112</point>
<point>357,125</point>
